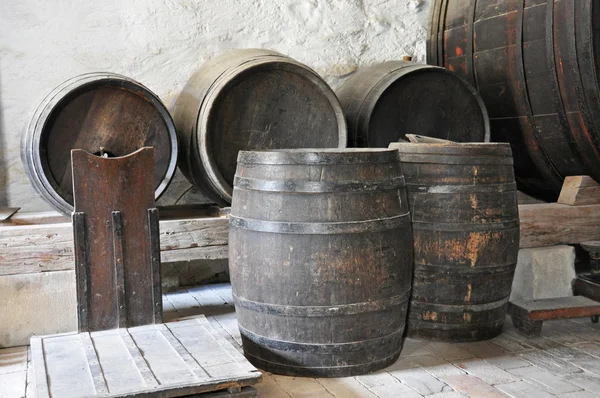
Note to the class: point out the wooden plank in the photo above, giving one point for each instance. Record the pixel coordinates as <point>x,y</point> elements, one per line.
<point>203,346</point>
<point>13,359</point>
<point>138,358</point>
<point>115,194</point>
<point>550,224</point>
<point>68,358</point>
<point>193,367</point>
<point>98,376</point>
<point>580,191</point>
<point>49,247</point>
<point>178,212</point>
<point>39,368</point>
<point>35,218</point>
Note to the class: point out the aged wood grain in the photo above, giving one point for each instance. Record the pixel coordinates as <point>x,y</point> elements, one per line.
<point>549,224</point>
<point>49,247</point>
<point>115,226</point>
<point>465,226</point>
<point>320,253</point>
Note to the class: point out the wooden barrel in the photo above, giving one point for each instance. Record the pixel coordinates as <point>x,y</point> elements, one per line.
<point>384,102</point>
<point>102,113</point>
<point>465,222</point>
<point>320,257</point>
<point>250,100</point>
<point>535,65</point>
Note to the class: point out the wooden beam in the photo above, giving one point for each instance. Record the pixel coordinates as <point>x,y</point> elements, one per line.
<point>49,247</point>
<point>550,224</point>
<point>580,191</point>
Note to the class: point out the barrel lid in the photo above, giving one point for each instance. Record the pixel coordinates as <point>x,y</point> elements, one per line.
<point>459,149</point>
<point>310,156</point>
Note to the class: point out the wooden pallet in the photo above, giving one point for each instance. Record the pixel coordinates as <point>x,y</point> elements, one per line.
<point>528,316</point>
<point>174,359</point>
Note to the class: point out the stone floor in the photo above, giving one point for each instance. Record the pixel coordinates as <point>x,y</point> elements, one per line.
<point>565,362</point>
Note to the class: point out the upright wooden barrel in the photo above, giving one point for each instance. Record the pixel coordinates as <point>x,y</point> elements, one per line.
<point>536,66</point>
<point>320,258</point>
<point>465,222</point>
<point>102,113</point>
<point>250,100</point>
<point>384,102</point>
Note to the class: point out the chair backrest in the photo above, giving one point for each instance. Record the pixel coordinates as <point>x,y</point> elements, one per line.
<point>116,237</point>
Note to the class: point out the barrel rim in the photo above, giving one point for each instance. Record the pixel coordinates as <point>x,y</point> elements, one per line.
<point>312,156</point>
<point>33,135</point>
<point>227,80</point>
<point>500,149</point>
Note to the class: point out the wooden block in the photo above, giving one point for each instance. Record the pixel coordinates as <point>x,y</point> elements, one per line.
<point>528,316</point>
<point>549,224</point>
<point>579,191</point>
<point>175,359</point>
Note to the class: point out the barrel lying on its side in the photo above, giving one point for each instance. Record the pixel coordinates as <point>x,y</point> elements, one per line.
<point>384,102</point>
<point>251,99</point>
<point>466,238</point>
<point>537,67</point>
<point>101,113</point>
<point>320,256</point>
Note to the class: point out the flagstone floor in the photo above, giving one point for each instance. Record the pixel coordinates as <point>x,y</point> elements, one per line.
<point>564,362</point>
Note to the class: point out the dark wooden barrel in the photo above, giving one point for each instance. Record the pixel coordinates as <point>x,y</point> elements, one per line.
<point>465,222</point>
<point>100,113</point>
<point>320,257</point>
<point>384,102</point>
<point>535,65</point>
<point>250,100</point>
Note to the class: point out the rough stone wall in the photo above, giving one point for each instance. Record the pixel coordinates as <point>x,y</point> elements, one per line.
<point>161,42</point>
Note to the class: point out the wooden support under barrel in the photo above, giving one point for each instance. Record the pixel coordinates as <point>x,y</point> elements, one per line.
<point>529,316</point>
<point>116,237</point>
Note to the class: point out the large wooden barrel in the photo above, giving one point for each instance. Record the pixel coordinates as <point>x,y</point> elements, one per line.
<point>536,66</point>
<point>250,100</point>
<point>102,113</point>
<point>320,257</point>
<point>384,102</point>
<point>465,222</point>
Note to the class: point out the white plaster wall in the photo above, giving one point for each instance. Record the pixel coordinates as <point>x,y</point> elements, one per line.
<point>161,42</point>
